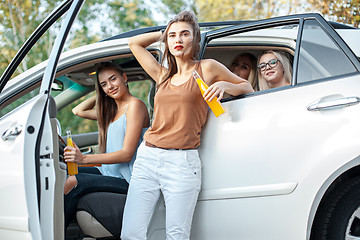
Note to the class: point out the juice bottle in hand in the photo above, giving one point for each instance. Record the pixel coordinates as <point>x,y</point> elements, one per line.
<point>71,166</point>
<point>214,105</point>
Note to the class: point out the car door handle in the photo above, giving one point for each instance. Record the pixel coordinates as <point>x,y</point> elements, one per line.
<point>11,132</point>
<point>341,102</point>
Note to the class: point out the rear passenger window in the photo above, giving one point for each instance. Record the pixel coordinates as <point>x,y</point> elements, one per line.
<point>319,56</point>
<point>239,50</point>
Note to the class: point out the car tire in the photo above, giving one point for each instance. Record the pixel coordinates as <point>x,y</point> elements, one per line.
<point>338,217</point>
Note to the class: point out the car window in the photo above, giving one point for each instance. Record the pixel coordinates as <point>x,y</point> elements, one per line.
<point>16,101</point>
<point>319,56</point>
<point>227,49</point>
<point>78,125</point>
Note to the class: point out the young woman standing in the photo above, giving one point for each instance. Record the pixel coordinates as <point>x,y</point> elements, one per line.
<point>168,160</point>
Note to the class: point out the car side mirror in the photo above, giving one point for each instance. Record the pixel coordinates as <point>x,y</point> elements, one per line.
<point>57,85</point>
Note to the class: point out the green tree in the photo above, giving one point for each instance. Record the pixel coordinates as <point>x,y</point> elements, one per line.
<point>129,14</point>
<point>226,10</point>
<point>345,11</point>
<point>170,8</point>
<point>222,10</point>
<point>18,20</point>
<point>82,32</point>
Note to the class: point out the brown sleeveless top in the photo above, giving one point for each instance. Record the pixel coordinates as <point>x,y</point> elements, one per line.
<point>179,114</point>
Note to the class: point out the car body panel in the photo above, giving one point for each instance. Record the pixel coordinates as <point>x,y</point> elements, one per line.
<point>19,210</point>
<point>272,127</point>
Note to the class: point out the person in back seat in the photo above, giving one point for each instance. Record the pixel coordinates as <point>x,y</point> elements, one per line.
<point>274,70</point>
<point>122,121</point>
<point>244,66</point>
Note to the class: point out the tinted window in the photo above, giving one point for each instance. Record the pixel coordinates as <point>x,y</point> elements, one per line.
<point>320,57</point>
<point>18,100</point>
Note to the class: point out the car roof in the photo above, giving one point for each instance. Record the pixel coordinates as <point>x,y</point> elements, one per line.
<point>206,26</point>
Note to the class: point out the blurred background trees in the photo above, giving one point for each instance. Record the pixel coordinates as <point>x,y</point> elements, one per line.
<point>100,19</point>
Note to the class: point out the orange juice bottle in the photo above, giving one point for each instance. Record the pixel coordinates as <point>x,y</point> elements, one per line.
<point>214,105</point>
<point>71,166</point>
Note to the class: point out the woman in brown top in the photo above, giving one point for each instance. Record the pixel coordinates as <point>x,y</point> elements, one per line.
<point>168,161</point>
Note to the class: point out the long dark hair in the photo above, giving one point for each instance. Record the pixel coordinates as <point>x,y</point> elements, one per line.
<point>188,17</point>
<point>106,107</point>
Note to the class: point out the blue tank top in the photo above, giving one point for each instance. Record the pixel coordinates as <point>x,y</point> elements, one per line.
<point>114,142</point>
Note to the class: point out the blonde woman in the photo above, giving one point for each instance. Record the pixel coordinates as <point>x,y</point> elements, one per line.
<point>274,70</point>
<point>244,66</point>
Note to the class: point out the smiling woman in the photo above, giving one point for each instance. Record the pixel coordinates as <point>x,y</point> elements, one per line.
<point>122,121</point>
<point>274,70</point>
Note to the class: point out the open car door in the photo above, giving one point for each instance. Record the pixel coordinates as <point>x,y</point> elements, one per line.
<point>26,145</point>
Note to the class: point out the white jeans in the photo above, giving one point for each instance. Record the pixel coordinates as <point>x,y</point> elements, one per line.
<point>177,174</point>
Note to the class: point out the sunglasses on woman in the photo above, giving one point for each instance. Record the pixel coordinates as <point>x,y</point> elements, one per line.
<point>272,63</point>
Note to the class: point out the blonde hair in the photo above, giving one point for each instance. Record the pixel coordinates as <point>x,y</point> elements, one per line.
<point>285,63</point>
<point>252,78</point>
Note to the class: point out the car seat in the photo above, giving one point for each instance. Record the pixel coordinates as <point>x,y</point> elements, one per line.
<point>99,214</point>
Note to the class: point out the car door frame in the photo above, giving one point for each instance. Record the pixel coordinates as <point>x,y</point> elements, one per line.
<point>37,137</point>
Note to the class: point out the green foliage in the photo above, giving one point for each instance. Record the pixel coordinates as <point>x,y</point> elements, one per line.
<point>171,7</point>
<point>140,90</point>
<point>222,10</point>
<point>130,14</point>
<point>18,19</point>
<point>76,124</point>
<point>345,11</point>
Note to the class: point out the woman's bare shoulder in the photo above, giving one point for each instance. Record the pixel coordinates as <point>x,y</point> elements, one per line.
<point>136,103</point>
<point>208,63</point>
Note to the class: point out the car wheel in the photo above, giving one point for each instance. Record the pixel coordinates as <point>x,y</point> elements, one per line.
<point>338,217</point>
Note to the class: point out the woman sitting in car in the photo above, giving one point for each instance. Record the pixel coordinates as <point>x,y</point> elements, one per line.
<point>122,121</point>
<point>274,70</point>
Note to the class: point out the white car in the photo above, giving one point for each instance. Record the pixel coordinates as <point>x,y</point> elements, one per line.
<point>279,164</point>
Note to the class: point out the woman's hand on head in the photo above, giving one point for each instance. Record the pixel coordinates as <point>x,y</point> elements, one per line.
<point>73,154</point>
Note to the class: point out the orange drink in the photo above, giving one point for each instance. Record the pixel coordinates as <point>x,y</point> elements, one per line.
<point>214,105</point>
<point>71,166</point>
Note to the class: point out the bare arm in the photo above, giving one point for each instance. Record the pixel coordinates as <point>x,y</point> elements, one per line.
<point>138,45</point>
<point>86,109</point>
<point>220,79</point>
<point>137,118</point>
